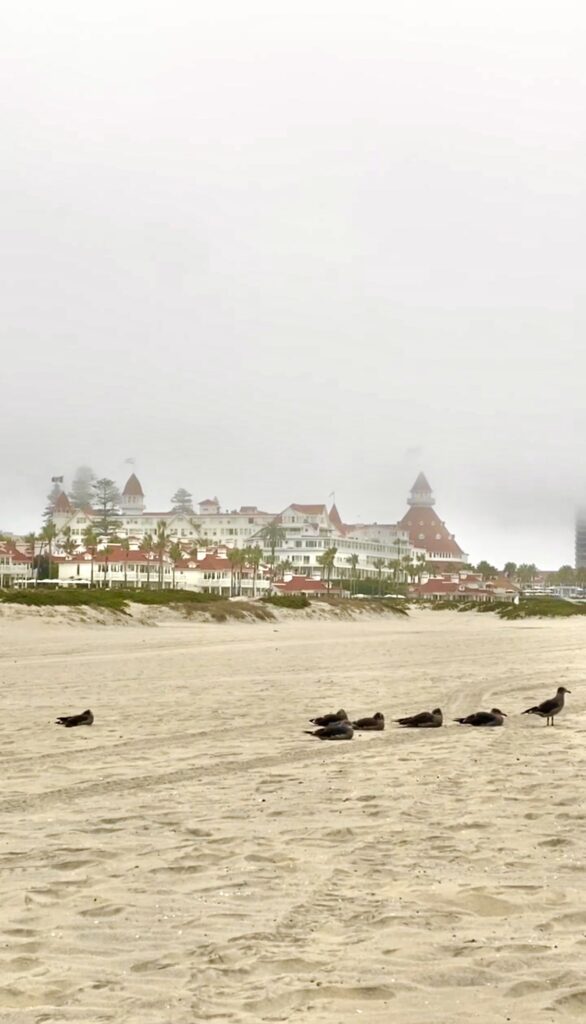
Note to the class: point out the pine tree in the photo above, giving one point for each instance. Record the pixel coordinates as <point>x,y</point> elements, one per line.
<point>81,492</point>
<point>106,503</point>
<point>182,501</point>
<point>51,502</point>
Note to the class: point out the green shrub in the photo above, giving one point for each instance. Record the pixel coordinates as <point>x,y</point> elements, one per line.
<point>287,600</point>
<point>103,598</point>
<point>542,607</point>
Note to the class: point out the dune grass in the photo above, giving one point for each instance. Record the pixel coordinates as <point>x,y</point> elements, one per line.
<point>116,600</point>
<point>528,607</point>
<point>287,600</point>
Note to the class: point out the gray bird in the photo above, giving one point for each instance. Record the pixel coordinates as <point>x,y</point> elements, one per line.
<point>424,720</point>
<point>492,717</point>
<point>333,731</point>
<point>377,722</point>
<point>335,716</point>
<point>69,721</point>
<point>549,708</point>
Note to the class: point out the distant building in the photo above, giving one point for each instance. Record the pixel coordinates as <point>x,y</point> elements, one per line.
<point>363,550</point>
<point>15,565</point>
<point>464,586</point>
<point>427,532</point>
<point>581,538</point>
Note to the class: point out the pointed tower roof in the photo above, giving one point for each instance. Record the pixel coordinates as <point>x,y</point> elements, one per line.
<point>335,519</point>
<point>421,493</point>
<point>63,503</point>
<point>132,487</point>
<point>426,530</point>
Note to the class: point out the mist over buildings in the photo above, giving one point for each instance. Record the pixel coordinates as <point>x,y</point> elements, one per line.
<point>278,250</point>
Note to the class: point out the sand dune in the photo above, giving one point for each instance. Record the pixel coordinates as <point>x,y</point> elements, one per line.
<point>194,856</point>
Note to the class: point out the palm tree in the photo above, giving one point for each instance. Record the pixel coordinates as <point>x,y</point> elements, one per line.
<point>160,545</point>
<point>379,565</point>
<point>352,562</point>
<point>68,544</point>
<point>146,546</point>
<point>253,558</point>
<point>67,541</point>
<point>273,536</point>
<point>284,566</point>
<point>327,563</point>
<point>235,558</point>
<point>125,547</point>
<point>91,539</point>
<point>30,541</point>
<point>175,553</point>
<point>48,534</point>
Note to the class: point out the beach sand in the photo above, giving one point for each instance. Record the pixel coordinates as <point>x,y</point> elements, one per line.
<point>194,856</point>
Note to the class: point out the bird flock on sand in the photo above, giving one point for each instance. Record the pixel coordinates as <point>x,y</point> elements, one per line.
<point>337,725</point>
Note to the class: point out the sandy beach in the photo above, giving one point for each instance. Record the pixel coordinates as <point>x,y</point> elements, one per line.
<point>194,856</point>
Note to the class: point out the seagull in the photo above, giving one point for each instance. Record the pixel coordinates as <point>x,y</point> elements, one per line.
<point>424,720</point>
<point>86,718</point>
<point>333,731</point>
<point>492,717</point>
<point>550,708</point>
<point>376,722</point>
<point>337,716</point>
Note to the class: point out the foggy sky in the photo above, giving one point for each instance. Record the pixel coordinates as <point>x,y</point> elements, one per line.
<point>275,249</point>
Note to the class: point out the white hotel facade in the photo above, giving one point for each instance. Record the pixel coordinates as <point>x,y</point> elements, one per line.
<point>308,531</point>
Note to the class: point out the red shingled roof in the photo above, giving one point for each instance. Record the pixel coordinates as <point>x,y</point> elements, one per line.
<point>309,510</point>
<point>297,584</point>
<point>335,519</point>
<point>63,503</point>
<point>9,549</point>
<point>132,487</point>
<point>435,586</point>
<point>213,562</point>
<point>426,530</point>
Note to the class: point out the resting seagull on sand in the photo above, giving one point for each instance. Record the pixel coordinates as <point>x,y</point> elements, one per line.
<point>550,708</point>
<point>377,722</point>
<point>333,731</point>
<point>86,718</point>
<point>336,716</point>
<point>424,720</point>
<point>493,717</point>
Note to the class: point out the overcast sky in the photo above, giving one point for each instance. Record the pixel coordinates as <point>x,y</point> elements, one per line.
<point>274,250</point>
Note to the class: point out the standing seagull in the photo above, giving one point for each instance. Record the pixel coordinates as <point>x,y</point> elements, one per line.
<point>493,717</point>
<point>424,720</point>
<point>550,708</point>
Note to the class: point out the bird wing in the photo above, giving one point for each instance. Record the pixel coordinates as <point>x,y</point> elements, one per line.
<point>549,705</point>
<point>423,718</point>
<point>481,718</point>
<point>545,708</point>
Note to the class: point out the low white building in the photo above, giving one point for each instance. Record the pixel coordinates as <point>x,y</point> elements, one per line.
<point>115,567</point>
<point>206,572</point>
<point>15,565</point>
